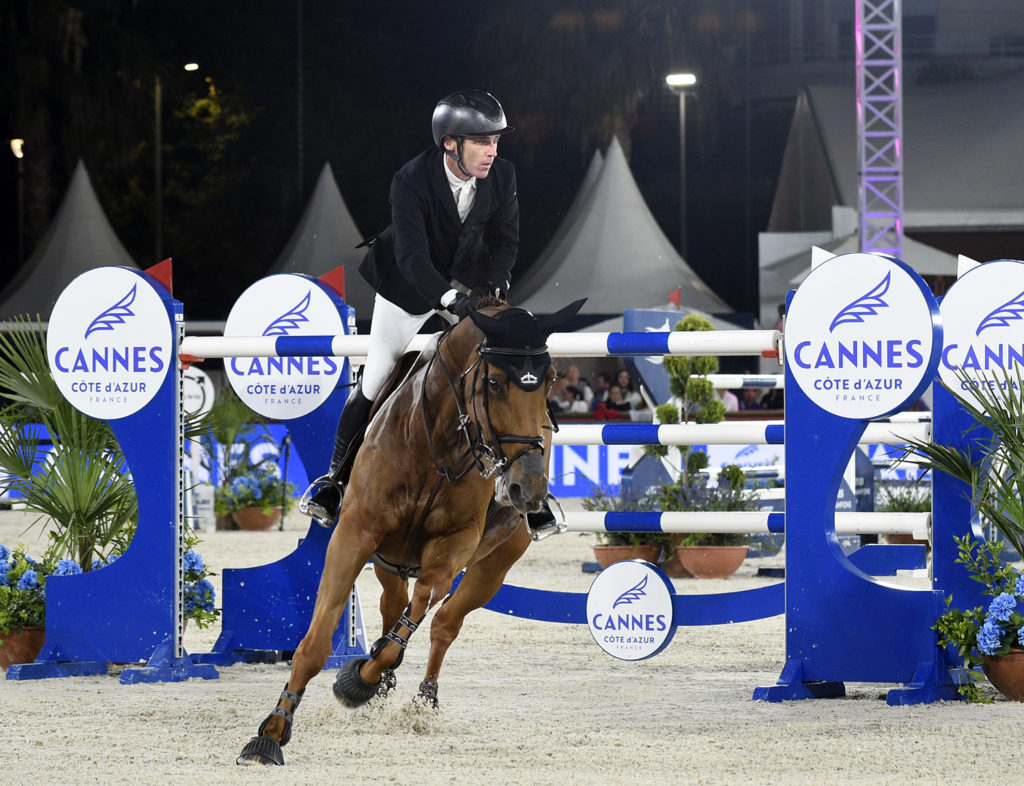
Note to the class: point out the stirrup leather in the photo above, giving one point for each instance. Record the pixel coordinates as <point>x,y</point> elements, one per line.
<point>546,521</point>
<point>309,507</point>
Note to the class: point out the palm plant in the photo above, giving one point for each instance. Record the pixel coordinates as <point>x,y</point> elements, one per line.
<point>83,486</point>
<point>996,405</point>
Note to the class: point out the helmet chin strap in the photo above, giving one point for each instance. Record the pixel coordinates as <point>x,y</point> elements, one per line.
<point>457,155</point>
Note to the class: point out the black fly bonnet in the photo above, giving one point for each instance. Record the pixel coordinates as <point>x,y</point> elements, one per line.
<point>516,342</point>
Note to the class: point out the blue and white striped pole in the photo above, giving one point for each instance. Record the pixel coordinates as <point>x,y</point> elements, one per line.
<point>712,342</point>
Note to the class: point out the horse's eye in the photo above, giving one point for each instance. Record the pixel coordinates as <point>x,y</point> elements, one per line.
<point>494,385</point>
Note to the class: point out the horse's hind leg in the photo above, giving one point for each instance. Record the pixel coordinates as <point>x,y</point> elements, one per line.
<point>347,552</point>
<point>480,583</point>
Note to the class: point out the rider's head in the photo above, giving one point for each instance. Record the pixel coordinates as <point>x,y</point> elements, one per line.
<point>474,116</point>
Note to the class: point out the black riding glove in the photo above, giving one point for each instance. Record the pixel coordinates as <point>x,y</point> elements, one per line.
<point>488,291</point>
<point>460,304</point>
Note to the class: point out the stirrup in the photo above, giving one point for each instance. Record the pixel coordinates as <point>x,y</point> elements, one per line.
<point>545,521</point>
<point>320,514</point>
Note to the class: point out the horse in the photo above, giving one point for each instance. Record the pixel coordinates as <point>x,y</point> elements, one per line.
<point>451,463</point>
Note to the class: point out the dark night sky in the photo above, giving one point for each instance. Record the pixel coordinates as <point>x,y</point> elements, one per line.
<point>370,75</point>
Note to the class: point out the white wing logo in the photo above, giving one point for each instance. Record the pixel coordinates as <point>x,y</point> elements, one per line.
<point>115,315</point>
<point>864,306</point>
<point>632,594</point>
<point>1010,311</point>
<point>290,320</point>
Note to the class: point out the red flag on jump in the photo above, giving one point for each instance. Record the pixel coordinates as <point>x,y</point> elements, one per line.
<point>675,295</point>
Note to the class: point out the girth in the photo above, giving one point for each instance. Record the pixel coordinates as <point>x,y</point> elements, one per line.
<point>406,572</point>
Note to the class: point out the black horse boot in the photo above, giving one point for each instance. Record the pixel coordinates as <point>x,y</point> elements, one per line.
<point>544,522</point>
<point>322,500</point>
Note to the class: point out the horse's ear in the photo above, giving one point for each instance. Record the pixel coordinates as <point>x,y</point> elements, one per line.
<point>551,322</point>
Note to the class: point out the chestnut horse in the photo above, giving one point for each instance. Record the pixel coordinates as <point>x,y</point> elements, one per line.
<point>451,462</point>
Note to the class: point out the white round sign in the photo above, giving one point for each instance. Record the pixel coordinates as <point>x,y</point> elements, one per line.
<point>285,304</point>
<point>197,391</point>
<point>629,610</point>
<point>862,336</point>
<point>109,342</point>
<point>983,327</point>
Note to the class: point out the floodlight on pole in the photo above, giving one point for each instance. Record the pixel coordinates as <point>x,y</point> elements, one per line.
<point>18,148</point>
<point>191,66</point>
<point>682,85</point>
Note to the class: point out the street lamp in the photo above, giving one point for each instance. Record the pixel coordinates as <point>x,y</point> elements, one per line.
<point>18,148</point>
<point>158,185</point>
<point>682,85</point>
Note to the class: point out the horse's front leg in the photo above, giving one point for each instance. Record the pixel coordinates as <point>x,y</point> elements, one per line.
<point>393,600</point>
<point>480,583</point>
<point>441,558</point>
<point>347,552</point>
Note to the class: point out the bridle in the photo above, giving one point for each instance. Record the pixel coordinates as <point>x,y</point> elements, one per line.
<point>488,453</point>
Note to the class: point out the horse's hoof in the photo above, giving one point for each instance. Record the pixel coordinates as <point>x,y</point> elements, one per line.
<point>349,687</point>
<point>261,750</point>
<point>428,694</point>
<point>388,682</point>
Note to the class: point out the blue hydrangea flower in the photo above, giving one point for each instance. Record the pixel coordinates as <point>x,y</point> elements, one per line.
<point>29,580</point>
<point>67,567</point>
<point>5,568</point>
<point>199,595</point>
<point>5,553</point>
<point>193,562</point>
<point>1002,607</point>
<point>1018,586</point>
<point>989,637</point>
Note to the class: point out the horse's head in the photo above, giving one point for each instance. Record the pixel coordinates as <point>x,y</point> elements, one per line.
<point>506,398</point>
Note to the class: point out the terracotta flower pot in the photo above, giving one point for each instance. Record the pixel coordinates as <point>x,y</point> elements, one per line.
<point>1006,673</point>
<point>606,555</point>
<point>254,519</point>
<point>674,568</point>
<point>21,647</point>
<point>712,562</point>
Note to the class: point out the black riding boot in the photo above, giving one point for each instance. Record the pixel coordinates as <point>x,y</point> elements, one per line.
<point>322,499</point>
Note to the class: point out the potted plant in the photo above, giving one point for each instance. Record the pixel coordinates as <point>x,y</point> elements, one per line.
<point>693,398</point>
<point>255,500</point>
<point>23,597</point>
<point>911,496</point>
<point>614,547</point>
<point>993,470</point>
<point>709,555</point>
<point>82,487</point>
<point>233,432</point>
<point>705,554</point>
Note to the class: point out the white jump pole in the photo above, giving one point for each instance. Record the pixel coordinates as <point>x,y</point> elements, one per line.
<point>744,522</point>
<point>712,342</point>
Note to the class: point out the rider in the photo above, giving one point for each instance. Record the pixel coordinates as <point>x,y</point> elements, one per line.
<point>453,239</point>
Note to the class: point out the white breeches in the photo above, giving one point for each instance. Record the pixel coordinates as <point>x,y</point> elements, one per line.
<point>391,330</point>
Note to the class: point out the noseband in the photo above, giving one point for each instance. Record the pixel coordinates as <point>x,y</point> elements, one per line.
<point>485,450</point>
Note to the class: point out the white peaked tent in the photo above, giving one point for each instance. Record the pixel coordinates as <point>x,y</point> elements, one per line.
<point>325,238</point>
<point>536,277</point>
<point>79,238</point>
<point>616,255</point>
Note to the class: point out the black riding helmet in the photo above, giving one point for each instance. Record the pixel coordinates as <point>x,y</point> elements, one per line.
<point>467,113</point>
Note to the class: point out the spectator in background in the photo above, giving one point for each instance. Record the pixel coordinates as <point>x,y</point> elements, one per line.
<point>781,321</point>
<point>602,382</point>
<point>615,404</point>
<point>630,394</point>
<point>578,388</point>
<point>728,399</point>
<point>751,399</point>
<point>775,399</point>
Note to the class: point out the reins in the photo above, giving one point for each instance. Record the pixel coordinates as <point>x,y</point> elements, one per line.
<point>484,451</point>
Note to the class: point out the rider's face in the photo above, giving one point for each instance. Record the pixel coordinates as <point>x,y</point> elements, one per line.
<point>478,153</point>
